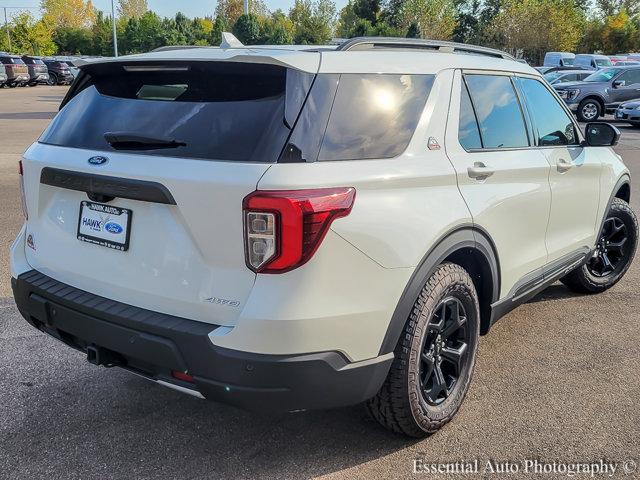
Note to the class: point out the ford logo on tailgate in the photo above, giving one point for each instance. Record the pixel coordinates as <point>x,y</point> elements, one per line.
<point>98,160</point>
<point>113,227</point>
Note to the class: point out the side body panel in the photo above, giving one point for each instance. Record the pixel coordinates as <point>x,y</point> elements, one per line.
<point>512,204</point>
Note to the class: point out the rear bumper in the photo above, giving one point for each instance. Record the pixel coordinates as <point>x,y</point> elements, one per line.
<point>153,344</point>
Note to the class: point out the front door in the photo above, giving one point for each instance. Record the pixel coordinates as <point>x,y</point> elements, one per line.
<point>574,175</point>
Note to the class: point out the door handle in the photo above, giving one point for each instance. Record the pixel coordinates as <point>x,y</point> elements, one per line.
<point>563,165</point>
<point>480,171</point>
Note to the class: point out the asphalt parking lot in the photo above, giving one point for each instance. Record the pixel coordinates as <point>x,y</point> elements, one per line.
<point>556,380</point>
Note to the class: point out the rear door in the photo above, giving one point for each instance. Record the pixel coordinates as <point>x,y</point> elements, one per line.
<point>504,181</point>
<point>135,190</point>
<point>574,176</point>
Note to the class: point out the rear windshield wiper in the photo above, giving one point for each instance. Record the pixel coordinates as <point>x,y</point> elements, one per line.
<point>131,141</point>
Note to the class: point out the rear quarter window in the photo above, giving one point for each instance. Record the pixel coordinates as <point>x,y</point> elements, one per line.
<point>374,115</point>
<point>358,117</point>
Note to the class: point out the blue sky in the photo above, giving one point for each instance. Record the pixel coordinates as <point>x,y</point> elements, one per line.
<point>166,8</point>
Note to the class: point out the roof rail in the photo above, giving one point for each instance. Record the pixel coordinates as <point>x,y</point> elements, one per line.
<point>371,43</point>
<point>168,48</point>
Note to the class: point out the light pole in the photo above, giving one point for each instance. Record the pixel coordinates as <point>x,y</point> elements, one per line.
<point>6,21</point>
<point>246,7</point>
<point>115,34</point>
<point>6,27</point>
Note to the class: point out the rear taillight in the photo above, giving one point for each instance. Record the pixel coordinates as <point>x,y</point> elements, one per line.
<point>185,377</point>
<point>284,228</point>
<point>23,198</point>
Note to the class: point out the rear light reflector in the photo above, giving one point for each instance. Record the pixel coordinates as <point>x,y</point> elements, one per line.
<point>23,198</point>
<point>185,377</point>
<point>284,228</point>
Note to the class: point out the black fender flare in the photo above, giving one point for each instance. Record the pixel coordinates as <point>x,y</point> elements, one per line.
<point>470,237</point>
<point>625,179</point>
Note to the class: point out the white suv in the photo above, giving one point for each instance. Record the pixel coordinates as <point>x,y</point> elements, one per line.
<point>295,228</point>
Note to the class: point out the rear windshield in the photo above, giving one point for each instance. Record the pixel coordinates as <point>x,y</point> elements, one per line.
<point>217,111</point>
<point>11,60</point>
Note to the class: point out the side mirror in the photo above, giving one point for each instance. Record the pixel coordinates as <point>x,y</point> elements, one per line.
<point>619,83</point>
<point>601,134</point>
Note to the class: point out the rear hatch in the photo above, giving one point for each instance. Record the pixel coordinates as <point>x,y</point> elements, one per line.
<point>135,190</point>
<point>15,67</point>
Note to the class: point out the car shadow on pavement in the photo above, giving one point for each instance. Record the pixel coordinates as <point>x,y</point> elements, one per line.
<point>556,291</point>
<point>62,415</point>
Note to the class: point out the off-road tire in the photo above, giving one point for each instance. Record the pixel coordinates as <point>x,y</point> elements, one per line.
<point>582,279</point>
<point>399,405</point>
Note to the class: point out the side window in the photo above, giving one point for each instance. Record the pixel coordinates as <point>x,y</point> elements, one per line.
<point>554,126</point>
<point>374,115</point>
<point>630,77</point>
<point>468,132</point>
<point>498,111</point>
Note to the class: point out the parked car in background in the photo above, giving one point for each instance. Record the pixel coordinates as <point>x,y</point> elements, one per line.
<point>544,70</point>
<point>558,59</point>
<point>601,92</point>
<point>629,112</point>
<point>17,71</point>
<point>563,76</point>
<point>634,56</point>
<point>592,61</point>
<point>3,75</point>
<point>38,71</point>
<point>625,63</point>
<point>72,68</point>
<point>59,73</point>
<point>618,58</point>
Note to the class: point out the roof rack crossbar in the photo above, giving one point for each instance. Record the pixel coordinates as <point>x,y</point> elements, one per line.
<point>370,43</point>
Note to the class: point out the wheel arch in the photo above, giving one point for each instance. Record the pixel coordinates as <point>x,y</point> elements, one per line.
<point>467,246</point>
<point>623,190</point>
<point>597,98</point>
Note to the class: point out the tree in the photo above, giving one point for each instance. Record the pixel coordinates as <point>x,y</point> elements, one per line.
<point>68,13</point>
<point>30,36</point>
<point>276,29</point>
<point>247,29</point>
<point>231,10</point>
<point>538,26</point>
<point>613,7</point>
<point>313,21</point>
<point>469,27</point>
<point>72,41</point>
<point>435,19</point>
<point>219,25</point>
<point>618,34</point>
<point>132,8</point>
<point>102,39</point>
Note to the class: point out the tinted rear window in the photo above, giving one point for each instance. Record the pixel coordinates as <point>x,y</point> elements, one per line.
<point>374,115</point>
<point>358,117</point>
<point>11,60</point>
<point>221,111</point>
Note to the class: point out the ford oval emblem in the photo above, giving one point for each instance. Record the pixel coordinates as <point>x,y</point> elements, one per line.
<point>113,227</point>
<point>98,160</point>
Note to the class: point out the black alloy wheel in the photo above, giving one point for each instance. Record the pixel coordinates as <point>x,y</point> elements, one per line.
<point>610,253</point>
<point>444,351</point>
<point>613,252</point>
